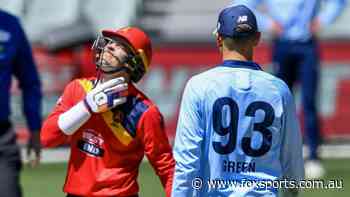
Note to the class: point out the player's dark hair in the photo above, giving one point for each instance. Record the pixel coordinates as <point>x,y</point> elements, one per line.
<point>238,42</point>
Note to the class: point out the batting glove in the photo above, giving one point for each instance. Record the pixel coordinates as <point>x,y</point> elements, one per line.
<point>106,96</point>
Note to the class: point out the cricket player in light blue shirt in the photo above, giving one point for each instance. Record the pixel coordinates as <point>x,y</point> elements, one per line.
<point>294,26</point>
<point>237,123</point>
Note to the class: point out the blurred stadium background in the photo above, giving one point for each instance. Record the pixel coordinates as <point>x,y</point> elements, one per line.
<point>62,31</point>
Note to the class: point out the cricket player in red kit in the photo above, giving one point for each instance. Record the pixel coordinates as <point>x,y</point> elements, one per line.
<point>109,123</point>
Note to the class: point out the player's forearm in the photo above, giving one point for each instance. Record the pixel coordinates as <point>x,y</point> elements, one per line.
<point>164,167</point>
<point>161,158</point>
<point>169,183</point>
<point>70,121</point>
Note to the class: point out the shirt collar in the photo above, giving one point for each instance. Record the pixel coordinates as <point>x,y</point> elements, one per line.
<point>241,64</point>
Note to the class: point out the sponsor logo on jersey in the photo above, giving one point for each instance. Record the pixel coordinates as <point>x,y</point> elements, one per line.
<point>91,143</point>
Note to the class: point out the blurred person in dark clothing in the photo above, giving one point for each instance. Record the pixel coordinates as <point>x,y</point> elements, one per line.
<point>294,26</point>
<point>16,59</point>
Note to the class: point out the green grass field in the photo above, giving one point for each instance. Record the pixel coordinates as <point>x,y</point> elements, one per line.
<point>47,180</point>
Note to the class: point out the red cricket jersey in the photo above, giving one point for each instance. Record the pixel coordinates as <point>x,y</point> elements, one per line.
<point>107,150</point>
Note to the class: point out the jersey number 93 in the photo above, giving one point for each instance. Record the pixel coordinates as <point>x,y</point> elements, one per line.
<point>231,129</point>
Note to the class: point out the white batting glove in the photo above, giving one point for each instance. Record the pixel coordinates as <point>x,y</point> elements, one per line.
<point>106,96</point>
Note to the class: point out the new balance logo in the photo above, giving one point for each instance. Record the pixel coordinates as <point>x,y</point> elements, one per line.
<point>242,19</point>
